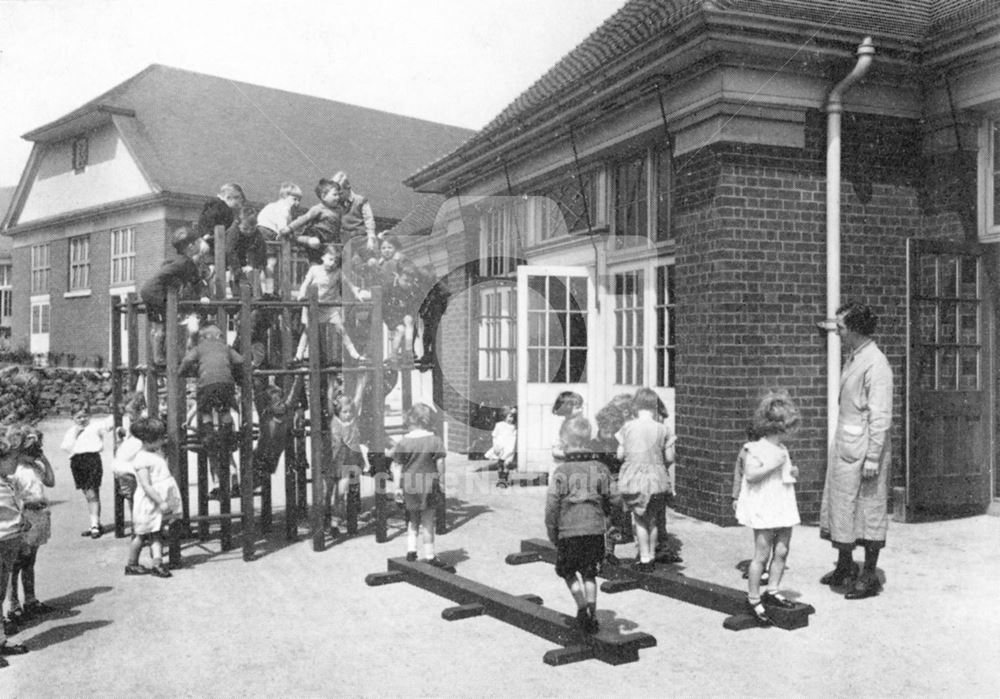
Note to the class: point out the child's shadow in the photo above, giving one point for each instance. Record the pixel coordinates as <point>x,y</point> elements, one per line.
<point>454,556</point>
<point>65,632</point>
<point>610,621</point>
<point>63,607</point>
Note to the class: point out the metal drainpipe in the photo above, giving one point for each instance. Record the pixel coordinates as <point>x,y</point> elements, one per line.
<point>834,108</point>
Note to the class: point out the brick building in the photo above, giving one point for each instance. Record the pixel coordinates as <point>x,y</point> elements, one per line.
<point>652,211</point>
<point>106,183</point>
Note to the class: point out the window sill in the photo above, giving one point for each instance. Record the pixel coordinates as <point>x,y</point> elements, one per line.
<point>79,293</point>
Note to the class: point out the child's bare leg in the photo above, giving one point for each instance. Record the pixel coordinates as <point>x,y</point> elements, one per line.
<point>576,588</point>
<point>25,566</point>
<point>412,529</point>
<point>93,507</point>
<point>157,334</point>
<point>408,333</point>
<point>762,540</point>
<point>346,340</point>
<point>156,548</point>
<point>300,351</point>
<point>642,538</point>
<point>397,340</point>
<point>427,531</point>
<point>134,549</point>
<point>782,537</point>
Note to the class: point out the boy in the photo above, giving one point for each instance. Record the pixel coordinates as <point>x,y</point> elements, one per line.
<point>272,218</point>
<point>84,441</point>
<point>578,501</point>
<point>245,250</point>
<point>220,211</point>
<point>177,272</point>
<point>215,364</point>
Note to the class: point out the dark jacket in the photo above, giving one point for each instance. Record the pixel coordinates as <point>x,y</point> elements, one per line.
<point>579,497</point>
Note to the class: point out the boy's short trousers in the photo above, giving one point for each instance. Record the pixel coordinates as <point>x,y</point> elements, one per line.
<point>126,485</point>
<point>87,470</point>
<point>579,554</point>
<point>220,396</point>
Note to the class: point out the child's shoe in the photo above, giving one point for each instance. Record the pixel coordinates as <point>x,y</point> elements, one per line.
<point>160,572</point>
<point>591,626</point>
<point>411,556</point>
<point>436,562</point>
<point>776,599</point>
<point>136,570</point>
<point>758,613</point>
<point>37,608</point>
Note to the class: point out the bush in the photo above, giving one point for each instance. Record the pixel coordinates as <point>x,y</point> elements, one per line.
<point>13,355</point>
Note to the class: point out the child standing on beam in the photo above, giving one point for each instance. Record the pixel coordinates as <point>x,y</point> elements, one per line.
<point>578,502</point>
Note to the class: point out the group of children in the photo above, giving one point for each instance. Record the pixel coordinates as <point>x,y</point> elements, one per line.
<point>629,463</point>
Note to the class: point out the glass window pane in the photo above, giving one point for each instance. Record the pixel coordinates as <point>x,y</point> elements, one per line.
<point>926,276</point>
<point>557,366</point>
<point>557,293</point>
<point>536,292</point>
<point>969,278</point>
<point>949,315</point>
<point>536,329</point>
<point>578,330</point>
<point>947,377</point>
<point>578,366</point>
<point>924,367</point>
<point>968,372</point>
<point>949,276</point>
<point>926,325</point>
<point>578,291</point>
<point>968,324</point>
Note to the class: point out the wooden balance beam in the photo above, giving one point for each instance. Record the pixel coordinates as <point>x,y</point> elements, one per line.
<point>671,583</point>
<point>523,611</point>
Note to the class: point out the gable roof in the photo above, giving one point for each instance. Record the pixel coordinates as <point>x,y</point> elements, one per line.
<point>639,22</point>
<point>191,132</point>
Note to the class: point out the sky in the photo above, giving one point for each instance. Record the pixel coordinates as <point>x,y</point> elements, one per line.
<point>458,62</point>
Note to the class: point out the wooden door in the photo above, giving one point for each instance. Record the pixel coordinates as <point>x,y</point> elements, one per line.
<point>555,307</point>
<point>948,430</point>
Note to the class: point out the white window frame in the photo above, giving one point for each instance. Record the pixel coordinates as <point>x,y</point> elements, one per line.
<point>656,165</point>
<point>122,256</point>
<point>40,323</point>
<point>41,268</point>
<point>503,225</point>
<point>497,333</point>
<point>78,278</point>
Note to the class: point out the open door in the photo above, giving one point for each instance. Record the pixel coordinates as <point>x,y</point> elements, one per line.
<point>948,425</point>
<point>554,325</point>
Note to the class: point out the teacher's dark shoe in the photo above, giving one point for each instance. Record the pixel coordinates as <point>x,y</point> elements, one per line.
<point>866,586</point>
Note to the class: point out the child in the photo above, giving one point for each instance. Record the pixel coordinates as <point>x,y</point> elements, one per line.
<point>12,523</point>
<point>34,474</point>
<point>85,442</point>
<point>220,211</point>
<point>767,499</point>
<point>400,303</point>
<point>271,219</point>
<point>358,219</point>
<point>346,460</point>
<point>568,404</point>
<point>245,250</point>
<point>158,499</point>
<point>121,464</point>
<point>504,448</point>
<point>605,446</point>
<point>577,502</point>
<point>275,426</point>
<point>320,225</point>
<point>382,269</point>
<point>328,280</point>
<point>417,465</point>
<point>647,447</point>
<point>179,271</point>
<point>216,365</point>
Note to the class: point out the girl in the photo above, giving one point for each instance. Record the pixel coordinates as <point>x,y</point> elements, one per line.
<point>157,499</point>
<point>34,474</point>
<point>504,449</point>
<point>121,464</point>
<point>383,269</point>
<point>647,450</point>
<point>568,404</point>
<point>400,304</point>
<point>610,419</point>
<point>417,468</point>
<point>347,460</point>
<point>85,442</point>
<point>12,523</point>
<point>329,281</point>
<point>767,499</point>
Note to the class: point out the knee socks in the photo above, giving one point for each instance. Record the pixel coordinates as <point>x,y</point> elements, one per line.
<point>871,557</point>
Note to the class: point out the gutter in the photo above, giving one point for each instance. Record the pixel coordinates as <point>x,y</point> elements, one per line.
<point>834,108</point>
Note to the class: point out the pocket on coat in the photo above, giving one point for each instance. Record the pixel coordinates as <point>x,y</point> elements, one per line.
<point>852,443</point>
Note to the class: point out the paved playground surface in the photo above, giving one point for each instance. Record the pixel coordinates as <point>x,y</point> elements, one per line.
<point>301,623</point>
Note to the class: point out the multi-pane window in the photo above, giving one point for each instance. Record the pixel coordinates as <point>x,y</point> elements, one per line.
<point>79,263</point>
<point>122,256</point>
<point>40,268</point>
<point>947,334</point>
<point>665,349</point>
<point>628,312</point>
<point>80,153</point>
<point>641,199</point>
<point>568,205</point>
<point>557,329</point>
<point>503,225</point>
<point>497,334</point>
<point>39,318</point>
<point>6,304</point>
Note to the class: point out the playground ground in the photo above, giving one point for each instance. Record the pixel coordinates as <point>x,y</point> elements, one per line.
<point>301,623</point>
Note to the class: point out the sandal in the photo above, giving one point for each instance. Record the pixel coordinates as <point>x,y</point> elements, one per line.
<point>95,532</point>
<point>776,599</point>
<point>758,612</point>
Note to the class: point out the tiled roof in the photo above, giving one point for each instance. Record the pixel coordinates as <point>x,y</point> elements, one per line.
<point>193,132</point>
<point>422,218</point>
<point>641,21</point>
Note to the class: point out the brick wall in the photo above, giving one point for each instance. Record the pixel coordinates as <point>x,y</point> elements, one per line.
<point>751,260</point>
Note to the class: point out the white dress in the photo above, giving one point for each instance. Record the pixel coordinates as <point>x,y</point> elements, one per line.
<point>146,516</point>
<point>768,503</point>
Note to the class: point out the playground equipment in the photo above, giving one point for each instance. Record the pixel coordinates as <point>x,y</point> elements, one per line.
<point>211,444</point>
<point>523,611</point>
<point>670,583</point>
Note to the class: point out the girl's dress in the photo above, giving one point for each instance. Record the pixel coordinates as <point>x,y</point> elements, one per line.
<point>417,452</point>
<point>644,472</point>
<point>504,442</point>
<point>35,506</point>
<point>146,517</point>
<point>768,503</point>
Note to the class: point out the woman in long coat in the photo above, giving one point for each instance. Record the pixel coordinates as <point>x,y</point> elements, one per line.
<point>854,510</point>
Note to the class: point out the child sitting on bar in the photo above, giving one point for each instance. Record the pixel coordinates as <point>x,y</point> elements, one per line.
<point>271,219</point>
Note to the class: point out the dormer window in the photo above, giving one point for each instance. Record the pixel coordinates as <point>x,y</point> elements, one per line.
<point>80,152</point>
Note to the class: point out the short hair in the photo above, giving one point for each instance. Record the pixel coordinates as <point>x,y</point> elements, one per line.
<point>392,240</point>
<point>344,403</point>
<point>232,188</point>
<point>210,332</point>
<point>273,391</point>
<point>32,441</point>
<point>340,179</point>
<point>420,415</point>
<point>646,399</point>
<point>859,317</point>
<point>609,419</point>
<point>575,432</point>
<point>333,249</point>
<point>81,408</point>
<point>566,402</point>
<point>248,212</point>
<point>508,410</point>
<point>623,401</point>
<point>181,238</point>
<point>324,186</point>
<point>287,188</point>
<point>149,429</point>
<point>12,438</point>
<point>775,414</point>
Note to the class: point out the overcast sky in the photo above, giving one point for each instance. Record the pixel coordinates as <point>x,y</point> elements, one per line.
<point>455,61</point>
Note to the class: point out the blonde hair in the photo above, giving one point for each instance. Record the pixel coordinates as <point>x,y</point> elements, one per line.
<point>575,432</point>
<point>775,414</point>
<point>288,188</point>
